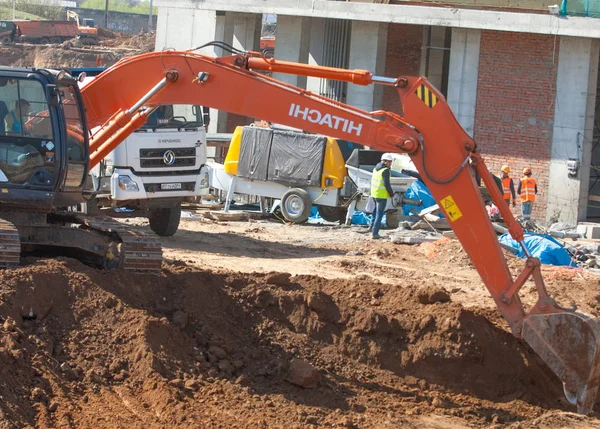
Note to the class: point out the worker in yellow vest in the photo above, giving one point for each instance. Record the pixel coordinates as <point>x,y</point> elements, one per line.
<point>508,186</point>
<point>527,190</point>
<point>381,190</point>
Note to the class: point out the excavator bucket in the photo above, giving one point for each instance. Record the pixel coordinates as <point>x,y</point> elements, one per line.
<point>569,343</point>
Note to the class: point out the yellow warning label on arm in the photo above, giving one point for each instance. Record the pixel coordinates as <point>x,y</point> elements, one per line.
<point>427,96</point>
<point>451,208</point>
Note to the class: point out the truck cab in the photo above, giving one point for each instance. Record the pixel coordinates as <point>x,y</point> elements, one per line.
<point>156,168</point>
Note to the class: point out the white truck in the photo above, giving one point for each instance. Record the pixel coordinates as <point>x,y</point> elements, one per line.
<point>158,167</point>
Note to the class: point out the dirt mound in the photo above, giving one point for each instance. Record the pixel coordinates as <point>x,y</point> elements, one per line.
<point>144,42</point>
<point>111,47</point>
<point>107,33</point>
<point>86,348</point>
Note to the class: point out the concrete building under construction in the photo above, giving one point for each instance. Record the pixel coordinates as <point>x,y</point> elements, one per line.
<point>521,76</point>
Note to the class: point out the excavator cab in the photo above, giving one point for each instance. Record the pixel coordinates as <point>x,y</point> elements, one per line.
<point>44,147</point>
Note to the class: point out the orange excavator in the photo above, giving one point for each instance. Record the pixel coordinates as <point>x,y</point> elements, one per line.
<point>120,100</point>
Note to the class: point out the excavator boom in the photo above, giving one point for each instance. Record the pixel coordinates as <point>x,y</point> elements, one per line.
<point>427,130</point>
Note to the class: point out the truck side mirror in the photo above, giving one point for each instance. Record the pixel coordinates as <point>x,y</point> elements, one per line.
<point>53,95</point>
<point>206,115</point>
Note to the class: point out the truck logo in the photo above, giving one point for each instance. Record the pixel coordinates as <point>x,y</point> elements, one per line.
<point>169,157</point>
<point>331,121</point>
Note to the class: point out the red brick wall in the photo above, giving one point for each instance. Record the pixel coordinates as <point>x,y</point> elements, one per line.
<point>514,113</point>
<point>403,57</point>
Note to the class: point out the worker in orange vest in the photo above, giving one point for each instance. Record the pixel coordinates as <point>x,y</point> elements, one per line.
<point>527,190</point>
<point>508,186</point>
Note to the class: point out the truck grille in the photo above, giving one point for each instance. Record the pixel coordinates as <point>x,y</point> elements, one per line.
<point>155,187</point>
<point>158,162</point>
<point>154,158</point>
<point>159,153</point>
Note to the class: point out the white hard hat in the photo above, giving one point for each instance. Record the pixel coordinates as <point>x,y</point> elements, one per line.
<point>387,157</point>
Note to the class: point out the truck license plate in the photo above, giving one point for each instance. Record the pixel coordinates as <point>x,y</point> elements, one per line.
<point>170,186</point>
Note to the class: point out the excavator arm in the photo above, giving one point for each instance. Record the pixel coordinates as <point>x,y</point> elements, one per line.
<point>119,101</point>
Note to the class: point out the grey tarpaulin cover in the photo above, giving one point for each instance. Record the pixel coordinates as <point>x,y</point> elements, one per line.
<point>254,153</point>
<point>296,159</point>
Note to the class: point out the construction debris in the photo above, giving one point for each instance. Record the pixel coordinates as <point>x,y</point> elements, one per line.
<point>409,236</point>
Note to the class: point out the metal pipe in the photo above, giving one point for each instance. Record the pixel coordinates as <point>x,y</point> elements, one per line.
<point>384,80</point>
<point>160,85</point>
<point>525,249</point>
<point>122,118</point>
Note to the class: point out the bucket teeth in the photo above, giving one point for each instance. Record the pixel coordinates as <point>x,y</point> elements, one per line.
<point>569,343</point>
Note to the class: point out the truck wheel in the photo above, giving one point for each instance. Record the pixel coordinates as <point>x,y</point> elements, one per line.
<point>296,205</point>
<point>5,40</point>
<point>165,221</point>
<point>332,214</point>
<point>45,40</point>
<point>392,219</point>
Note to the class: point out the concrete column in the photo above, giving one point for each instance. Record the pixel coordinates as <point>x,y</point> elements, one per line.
<point>292,44</point>
<point>315,54</point>
<point>242,31</point>
<point>432,56</point>
<point>574,110</point>
<point>246,30</point>
<point>368,41</point>
<point>462,76</point>
<point>173,27</point>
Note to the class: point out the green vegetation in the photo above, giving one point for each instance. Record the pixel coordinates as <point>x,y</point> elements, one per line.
<point>31,9</point>
<point>7,14</point>
<point>120,6</point>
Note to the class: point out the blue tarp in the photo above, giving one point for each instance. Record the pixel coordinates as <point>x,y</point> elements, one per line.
<point>358,218</point>
<point>542,246</point>
<point>418,191</point>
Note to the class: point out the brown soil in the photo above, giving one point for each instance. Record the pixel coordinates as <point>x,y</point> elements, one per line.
<point>210,347</point>
<point>111,47</point>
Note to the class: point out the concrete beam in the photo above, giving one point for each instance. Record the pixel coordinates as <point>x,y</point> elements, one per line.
<point>574,110</point>
<point>407,14</point>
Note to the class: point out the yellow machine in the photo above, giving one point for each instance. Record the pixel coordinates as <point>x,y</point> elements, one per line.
<point>300,169</point>
<point>334,170</point>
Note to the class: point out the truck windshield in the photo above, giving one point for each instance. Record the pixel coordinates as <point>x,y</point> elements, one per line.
<point>180,116</point>
<point>26,135</point>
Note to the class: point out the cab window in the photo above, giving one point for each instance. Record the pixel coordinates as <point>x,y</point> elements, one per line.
<point>26,134</point>
<point>174,116</point>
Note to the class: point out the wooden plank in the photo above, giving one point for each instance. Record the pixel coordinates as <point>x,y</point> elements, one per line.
<point>237,215</point>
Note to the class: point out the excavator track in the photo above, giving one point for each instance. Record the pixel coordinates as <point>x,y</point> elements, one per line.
<point>10,245</point>
<point>138,250</point>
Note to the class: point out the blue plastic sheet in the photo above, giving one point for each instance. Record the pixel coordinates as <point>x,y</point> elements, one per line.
<point>542,246</point>
<point>418,191</point>
<point>358,218</point>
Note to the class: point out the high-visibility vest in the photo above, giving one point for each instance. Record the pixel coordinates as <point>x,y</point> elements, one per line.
<point>527,189</point>
<point>378,189</point>
<point>506,188</point>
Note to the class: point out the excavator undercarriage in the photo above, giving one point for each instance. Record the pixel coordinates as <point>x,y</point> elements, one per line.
<point>96,240</point>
